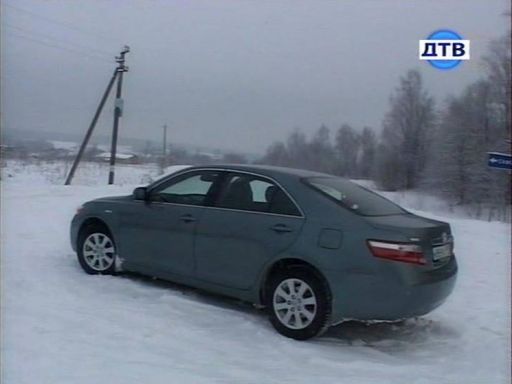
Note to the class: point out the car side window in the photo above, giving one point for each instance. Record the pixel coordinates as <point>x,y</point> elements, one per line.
<point>253,193</point>
<point>190,189</point>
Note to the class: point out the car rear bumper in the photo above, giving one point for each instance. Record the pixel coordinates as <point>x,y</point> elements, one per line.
<point>366,297</point>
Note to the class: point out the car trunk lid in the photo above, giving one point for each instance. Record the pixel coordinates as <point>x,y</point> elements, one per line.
<point>433,236</point>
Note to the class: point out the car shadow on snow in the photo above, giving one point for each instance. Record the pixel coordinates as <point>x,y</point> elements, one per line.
<point>411,336</point>
<point>388,337</point>
<point>196,295</point>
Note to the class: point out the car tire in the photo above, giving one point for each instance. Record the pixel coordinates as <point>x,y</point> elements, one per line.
<point>298,303</point>
<point>96,250</point>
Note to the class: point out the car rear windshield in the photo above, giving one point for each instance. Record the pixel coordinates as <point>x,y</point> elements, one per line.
<point>354,197</point>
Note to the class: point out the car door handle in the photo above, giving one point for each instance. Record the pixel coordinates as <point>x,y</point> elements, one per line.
<point>281,228</point>
<point>188,218</point>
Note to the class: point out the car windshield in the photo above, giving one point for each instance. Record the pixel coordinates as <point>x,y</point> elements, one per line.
<point>354,197</point>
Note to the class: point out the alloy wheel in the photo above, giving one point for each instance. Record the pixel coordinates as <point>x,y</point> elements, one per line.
<point>294,303</point>
<point>98,251</point>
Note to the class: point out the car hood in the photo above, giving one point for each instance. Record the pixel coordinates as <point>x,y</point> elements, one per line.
<point>113,199</point>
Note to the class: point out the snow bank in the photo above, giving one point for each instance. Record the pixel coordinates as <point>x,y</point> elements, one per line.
<point>419,200</point>
<point>88,173</point>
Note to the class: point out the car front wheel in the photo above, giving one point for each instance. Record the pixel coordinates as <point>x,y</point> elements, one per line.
<point>298,303</point>
<point>96,251</point>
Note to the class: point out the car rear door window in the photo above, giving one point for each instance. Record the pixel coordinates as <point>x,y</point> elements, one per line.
<point>253,193</point>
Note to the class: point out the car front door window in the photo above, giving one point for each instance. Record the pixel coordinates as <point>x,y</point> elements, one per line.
<point>187,189</point>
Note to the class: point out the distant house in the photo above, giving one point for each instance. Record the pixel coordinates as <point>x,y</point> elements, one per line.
<point>59,150</point>
<point>68,146</point>
<point>128,158</point>
<point>4,148</point>
<point>13,151</point>
<point>211,155</point>
<point>120,148</point>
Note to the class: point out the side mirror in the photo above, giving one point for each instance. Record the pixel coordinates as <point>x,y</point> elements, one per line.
<point>140,193</point>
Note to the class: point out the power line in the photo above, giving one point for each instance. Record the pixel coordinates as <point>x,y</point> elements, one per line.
<point>58,22</point>
<point>26,31</point>
<point>42,42</point>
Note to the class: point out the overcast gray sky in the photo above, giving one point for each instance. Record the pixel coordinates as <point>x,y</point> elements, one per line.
<point>230,74</point>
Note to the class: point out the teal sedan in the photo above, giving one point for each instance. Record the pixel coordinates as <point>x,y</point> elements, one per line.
<point>312,248</point>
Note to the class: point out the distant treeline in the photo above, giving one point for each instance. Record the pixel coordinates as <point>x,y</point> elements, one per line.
<point>437,148</point>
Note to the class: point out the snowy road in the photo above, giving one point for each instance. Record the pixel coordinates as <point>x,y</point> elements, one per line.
<point>60,325</point>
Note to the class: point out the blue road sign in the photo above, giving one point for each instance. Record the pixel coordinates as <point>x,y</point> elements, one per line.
<point>500,160</point>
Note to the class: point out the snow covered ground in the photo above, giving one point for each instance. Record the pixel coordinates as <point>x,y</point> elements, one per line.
<point>60,325</point>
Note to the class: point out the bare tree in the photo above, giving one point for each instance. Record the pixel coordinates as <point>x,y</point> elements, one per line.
<point>347,149</point>
<point>406,129</point>
<point>276,154</point>
<point>320,153</point>
<point>298,150</point>
<point>388,168</point>
<point>472,124</point>
<point>368,143</point>
<point>498,65</point>
<point>234,158</point>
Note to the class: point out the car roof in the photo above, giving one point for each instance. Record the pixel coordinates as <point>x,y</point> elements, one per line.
<point>266,170</point>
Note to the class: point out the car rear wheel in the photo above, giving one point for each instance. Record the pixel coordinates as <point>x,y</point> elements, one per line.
<point>96,251</point>
<point>298,303</point>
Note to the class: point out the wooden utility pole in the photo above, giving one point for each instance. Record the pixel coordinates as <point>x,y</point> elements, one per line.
<point>118,111</point>
<point>91,128</point>
<point>117,72</point>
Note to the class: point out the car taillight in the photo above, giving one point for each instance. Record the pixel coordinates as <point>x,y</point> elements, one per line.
<point>407,253</point>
